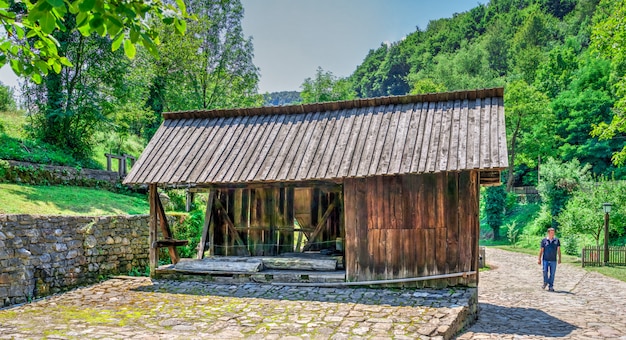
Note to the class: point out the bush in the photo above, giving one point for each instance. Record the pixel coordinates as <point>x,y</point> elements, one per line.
<point>570,245</point>
<point>188,226</point>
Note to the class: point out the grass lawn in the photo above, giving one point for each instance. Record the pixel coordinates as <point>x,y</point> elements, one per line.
<point>614,272</point>
<point>66,200</point>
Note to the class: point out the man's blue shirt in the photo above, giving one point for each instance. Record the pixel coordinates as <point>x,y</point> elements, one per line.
<point>550,248</point>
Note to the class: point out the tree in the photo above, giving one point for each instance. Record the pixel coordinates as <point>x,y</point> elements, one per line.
<point>558,183</point>
<point>29,45</point>
<point>608,40</point>
<point>325,87</point>
<point>528,122</point>
<point>68,108</point>
<point>7,100</point>
<point>583,214</point>
<point>494,208</point>
<point>211,66</point>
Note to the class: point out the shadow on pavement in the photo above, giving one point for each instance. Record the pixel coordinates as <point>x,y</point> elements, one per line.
<point>391,297</point>
<point>519,321</point>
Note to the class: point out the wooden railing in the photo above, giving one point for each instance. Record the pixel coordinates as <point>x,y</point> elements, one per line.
<point>594,256</point>
<point>122,163</point>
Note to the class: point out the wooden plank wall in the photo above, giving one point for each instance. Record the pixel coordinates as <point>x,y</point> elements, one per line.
<point>264,219</point>
<point>412,226</point>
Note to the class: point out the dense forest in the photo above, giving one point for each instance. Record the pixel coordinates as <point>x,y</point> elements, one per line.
<point>562,63</point>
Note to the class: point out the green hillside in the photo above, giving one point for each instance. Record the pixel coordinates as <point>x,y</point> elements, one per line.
<point>65,200</point>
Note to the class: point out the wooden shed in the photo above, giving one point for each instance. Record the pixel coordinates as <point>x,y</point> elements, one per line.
<point>390,184</point>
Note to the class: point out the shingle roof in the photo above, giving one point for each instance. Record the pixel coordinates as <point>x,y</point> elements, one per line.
<point>451,131</point>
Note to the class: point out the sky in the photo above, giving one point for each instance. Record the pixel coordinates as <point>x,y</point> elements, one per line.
<point>292,38</point>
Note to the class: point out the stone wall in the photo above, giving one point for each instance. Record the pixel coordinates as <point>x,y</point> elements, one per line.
<point>37,174</point>
<point>41,255</point>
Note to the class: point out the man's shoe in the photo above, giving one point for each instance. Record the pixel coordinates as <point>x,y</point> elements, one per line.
<point>544,285</point>
<point>551,289</point>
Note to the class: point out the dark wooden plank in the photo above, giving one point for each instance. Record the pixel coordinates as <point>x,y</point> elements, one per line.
<point>502,148</point>
<point>203,142</point>
<point>165,145</point>
<point>452,218</point>
<point>294,159</point>
<point>342,155</point>
<point>208,152</point>
<point>272,163</point>
<point>287,154</point>
<point>165,229</point>
<point>328,141</point>
<point>453,159</point>
<point>142,165</point>
<point>189,134</point>
<point>445,137</point>
<point>367,156</point>
<point>433,148</point>
<point>473,138</point>
<point>170,151</point>
<point>268,144</point>
<point>208,216</point>
<point>154,251</point>
<point>419,164</point>
<point>250,148</point>
<point>381,140</point>
<point>485,130</point>
<point>231,132</point>
<point>387,149</point>
<point>295,141</point>
<point>463,135</point>
<point>364,258</point>
<point>411,138</point>
<point>351,221</point>
<point>401,139</point>
<point>357,144</point>
<point>232,150</point>
<point>320,225</point>
<point>314,144</point>
<point>430,252</point>
<point>237,150</point>
<point>230,224</point>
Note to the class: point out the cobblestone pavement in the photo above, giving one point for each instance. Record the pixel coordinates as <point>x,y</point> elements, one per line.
<point>585,305</point>
<point>141,308</point>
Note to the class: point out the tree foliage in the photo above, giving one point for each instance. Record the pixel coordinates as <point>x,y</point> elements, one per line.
<point>559,181</point>
<point>29,44</point>
<point>495,200</point>
<point>211,66</point>
<point>583,212</point>
<point>325,87</point>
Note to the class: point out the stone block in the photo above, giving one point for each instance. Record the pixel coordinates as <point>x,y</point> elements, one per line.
<point>71,254</point>
<point>60,247</point>
<point>110,240</point>
<point>23,253</point>
<point>2,236</point>
<point>58,232</point>
<point>5,279</point>
<point>45,258</point>
<point>10,235</point>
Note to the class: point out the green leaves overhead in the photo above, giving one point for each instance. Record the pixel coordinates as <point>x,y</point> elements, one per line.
<point>124,21</point>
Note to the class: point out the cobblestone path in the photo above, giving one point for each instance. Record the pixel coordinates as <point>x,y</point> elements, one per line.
<point>144,309</point>
<point>585,305</point>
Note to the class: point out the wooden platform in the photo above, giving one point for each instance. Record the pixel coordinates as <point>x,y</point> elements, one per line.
<point>233,269</point>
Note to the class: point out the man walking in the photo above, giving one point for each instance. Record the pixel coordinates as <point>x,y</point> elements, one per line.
<point>550,248</point>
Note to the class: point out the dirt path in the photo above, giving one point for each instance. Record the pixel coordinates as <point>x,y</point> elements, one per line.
<point>585,305</point>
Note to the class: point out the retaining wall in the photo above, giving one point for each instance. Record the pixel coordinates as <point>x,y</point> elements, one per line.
<point>41,255</point>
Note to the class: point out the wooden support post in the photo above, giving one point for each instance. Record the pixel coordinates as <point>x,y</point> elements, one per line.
<point>108,161</point>
<point>320,225</point>
<point>154,250</point>
<point>205,229</point>
<point>165,229</point>
<point>230,225</point>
